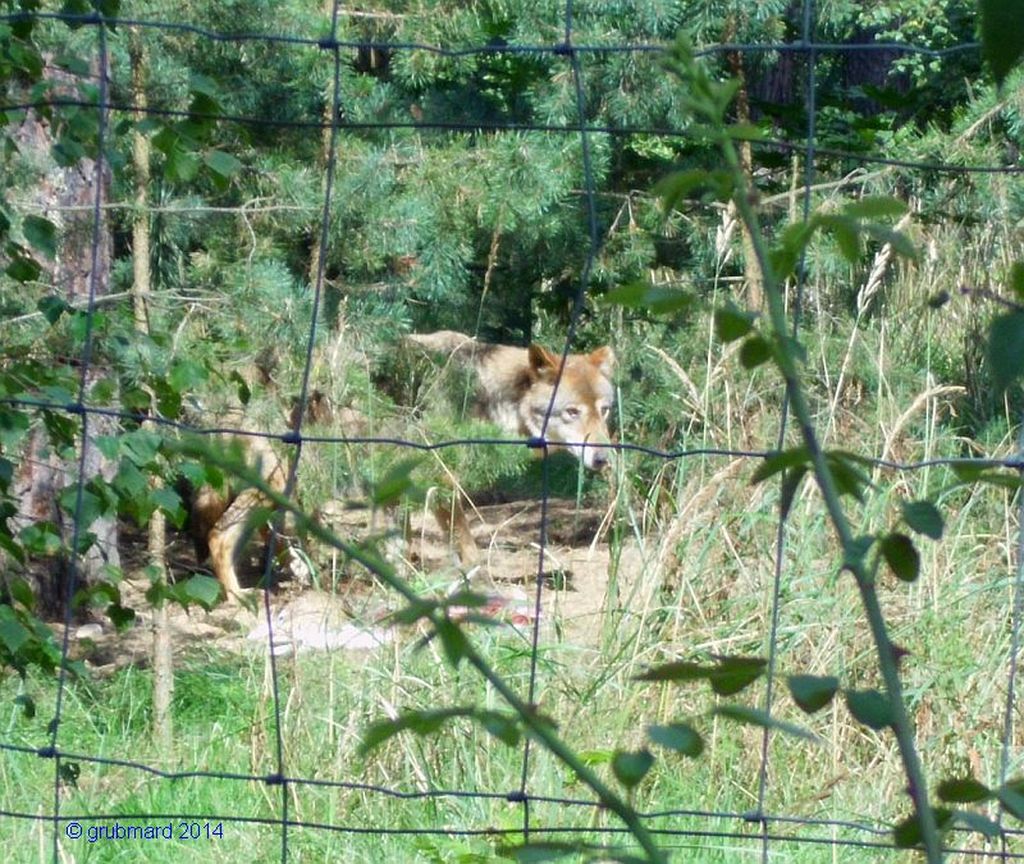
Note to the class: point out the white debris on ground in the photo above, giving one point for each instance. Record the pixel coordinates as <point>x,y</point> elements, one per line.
<point>312,622</point>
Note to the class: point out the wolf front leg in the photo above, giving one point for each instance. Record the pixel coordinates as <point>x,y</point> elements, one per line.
<point>455,527</point>
<point>229,536</point>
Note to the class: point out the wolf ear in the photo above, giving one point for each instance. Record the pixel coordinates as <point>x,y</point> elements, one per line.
<point>542,362</point>
<point>604,359</point>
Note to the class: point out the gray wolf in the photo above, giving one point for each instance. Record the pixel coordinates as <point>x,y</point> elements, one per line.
<point>515,387</point>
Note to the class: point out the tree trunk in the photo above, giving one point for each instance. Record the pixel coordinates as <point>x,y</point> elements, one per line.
<point>163,658</point>
<point>752,268</point>
<point>66,196</point>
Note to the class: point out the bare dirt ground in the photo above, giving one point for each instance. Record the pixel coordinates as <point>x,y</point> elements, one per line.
<point>347,609</point>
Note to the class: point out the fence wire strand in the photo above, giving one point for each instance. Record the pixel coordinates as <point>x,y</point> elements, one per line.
<point>765,830</point>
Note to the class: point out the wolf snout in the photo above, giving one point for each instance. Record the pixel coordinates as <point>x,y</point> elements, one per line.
<point>596,457</point>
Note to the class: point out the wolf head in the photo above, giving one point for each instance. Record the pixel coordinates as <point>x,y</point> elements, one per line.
<point>579,416</point>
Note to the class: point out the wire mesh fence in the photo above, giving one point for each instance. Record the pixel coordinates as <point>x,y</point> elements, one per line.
<point>757,830</point>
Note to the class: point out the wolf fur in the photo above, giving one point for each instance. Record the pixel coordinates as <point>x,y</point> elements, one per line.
<point>220,519</point>
<point>515,387</point>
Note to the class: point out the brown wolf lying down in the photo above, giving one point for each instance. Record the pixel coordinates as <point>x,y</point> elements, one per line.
<point>514,391</point>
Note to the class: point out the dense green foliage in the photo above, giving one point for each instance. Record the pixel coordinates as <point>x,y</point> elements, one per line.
<point>500,193</point>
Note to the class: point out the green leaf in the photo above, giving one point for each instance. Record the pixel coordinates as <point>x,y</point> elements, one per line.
<point>812,692</point>
<point>204,85</point>
<point>755,351</point>
<point>965,790</point>
<point>595,757</point>
<point>745,132</point>
<point>182,165</point>
<point>923,517</point>
<point>729,675</point>
<point>791,480</point>
<point>977,823</point>
<point>787,459</point>
<point>794,240</point>
<point>732,323</point>
<point>67,152</point>
<point>13,634</point>
<point>244,392</point>
<point>1006,348</point>
<point>733,674</point>
<point>870,708</point>
<point>504,727</point>
<point>121,616</point>
<point>846,233</point>
<point>453,641</point>
<point>1011,796</point>
<point>901,556</point>
<point>1017,279</point>
<point>656,299</point>
<point>28,705</point>
<point>420,722</point>
<point>397,483</point>
<point>541,853</point>
<point>675,186</point>
<point>630,768</point>
<point>171,504</point>
<point>907,834</point>
<point>103,391</point>
<point>41,235</point>
<point>222,163</point>
<point>875,207</point>
<point>204,590</point>
<point>69,773</point>
<point>679,737</point>
<point>678,670</point>
<point>109,8</point>
<point>21,591</point>
<point>901,244</point>
<point>849,477</point>
<point>52,308</point>
<point>23,269</point>
<point>41,538</point>
<point>1002,35</point>
<point>757,717</point>
<point>187,374</point>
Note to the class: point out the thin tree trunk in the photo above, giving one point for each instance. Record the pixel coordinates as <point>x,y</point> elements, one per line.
<point>163,658</point>
<point>325,152</point>
<point>752,268</point>
<point>140,163</point>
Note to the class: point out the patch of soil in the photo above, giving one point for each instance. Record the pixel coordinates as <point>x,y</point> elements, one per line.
<point>353,614</point>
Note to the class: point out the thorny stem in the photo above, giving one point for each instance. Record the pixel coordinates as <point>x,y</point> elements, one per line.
<point>536,725</point>
<point>852,560</point>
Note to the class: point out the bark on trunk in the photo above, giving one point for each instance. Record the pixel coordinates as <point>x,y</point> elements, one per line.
<point>66,196</point>
<point>163,658</point>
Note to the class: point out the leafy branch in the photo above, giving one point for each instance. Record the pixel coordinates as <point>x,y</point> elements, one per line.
<point>834,473</point>
<point>457,648</point>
